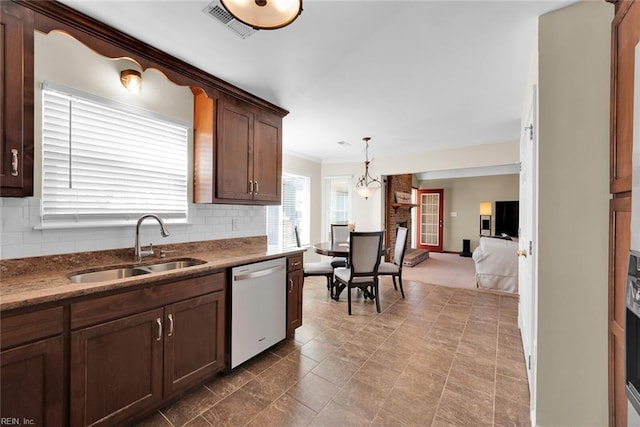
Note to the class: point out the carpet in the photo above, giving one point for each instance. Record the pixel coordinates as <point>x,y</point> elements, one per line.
<point>443,269</point>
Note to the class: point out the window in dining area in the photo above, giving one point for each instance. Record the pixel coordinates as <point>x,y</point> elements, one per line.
<point>338,201</point>
<point>293,212</point>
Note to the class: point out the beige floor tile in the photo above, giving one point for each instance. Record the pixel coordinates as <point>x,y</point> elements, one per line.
<point>190,406</point>
<point>284,412</point>
<point>313,391</point>
<point>511,414</point>
<point>336,370</point>
<point>465,406</point>
<point>361,398</point>
<point>317,350</point>
<point>198,422</point>
<point>235,410</point>
<point>335,415</point>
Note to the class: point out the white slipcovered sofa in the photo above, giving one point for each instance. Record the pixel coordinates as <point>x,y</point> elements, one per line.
<point>497,264</point>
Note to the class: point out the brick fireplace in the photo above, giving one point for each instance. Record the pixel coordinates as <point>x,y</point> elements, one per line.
<point>397,215</point>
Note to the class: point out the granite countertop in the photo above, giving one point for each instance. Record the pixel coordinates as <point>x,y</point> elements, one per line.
<point>31,281</point>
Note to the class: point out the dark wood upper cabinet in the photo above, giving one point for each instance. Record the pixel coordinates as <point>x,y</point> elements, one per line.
<point>241,146</point>
<point>16,100</point>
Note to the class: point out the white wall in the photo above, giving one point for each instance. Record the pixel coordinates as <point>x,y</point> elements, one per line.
<point>573,135</point>
<point>60,59</point>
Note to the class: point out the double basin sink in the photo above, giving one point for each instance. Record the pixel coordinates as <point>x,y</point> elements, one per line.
<point>130,271</point>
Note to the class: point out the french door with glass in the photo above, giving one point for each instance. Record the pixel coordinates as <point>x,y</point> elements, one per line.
<point>430,208</point>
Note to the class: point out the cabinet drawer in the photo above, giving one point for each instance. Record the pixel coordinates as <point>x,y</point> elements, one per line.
<point>23,328</point>
<point>111,307</point>
<point>294,263</point>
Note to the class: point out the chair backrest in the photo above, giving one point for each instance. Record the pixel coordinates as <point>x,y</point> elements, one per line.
<point>401,243</point>
<point>364,252</point>
<point>339,233</point>
<point>297,234</point>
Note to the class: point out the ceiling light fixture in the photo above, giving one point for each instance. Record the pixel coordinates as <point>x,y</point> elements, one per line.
<point>264,14</point>
<point>132,80</point>
<point>367,186</point>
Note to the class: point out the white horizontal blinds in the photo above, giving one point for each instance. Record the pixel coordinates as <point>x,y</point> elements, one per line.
<point>103,162</point>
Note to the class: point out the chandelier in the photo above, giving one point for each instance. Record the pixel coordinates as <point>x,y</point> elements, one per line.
<point>367,186</point>
<point>264,14</point>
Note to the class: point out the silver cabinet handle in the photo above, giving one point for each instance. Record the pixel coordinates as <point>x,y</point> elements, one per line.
<point>295,264</point>
<point>170,325</point>
<point>14,162</point>
<point>290,285</point>
<point>159,323</point>
<point>257,188</point>
<point>250,187</point>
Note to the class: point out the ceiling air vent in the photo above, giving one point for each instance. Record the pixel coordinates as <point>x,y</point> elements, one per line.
<point>217,11</point>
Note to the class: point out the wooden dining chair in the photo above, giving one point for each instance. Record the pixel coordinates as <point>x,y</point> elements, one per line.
<point>316,268</point>
<point>362,272</point>
<point>339,234</point>
<point>394,268</point>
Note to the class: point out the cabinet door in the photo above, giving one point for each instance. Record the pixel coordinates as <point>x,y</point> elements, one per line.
<point>194,341</point>
<point>294,300</point>
<point>116,369</point>
<point>32,384</point>
<point>16,100</point>
<point>234,160</point>
<point>267,157</point>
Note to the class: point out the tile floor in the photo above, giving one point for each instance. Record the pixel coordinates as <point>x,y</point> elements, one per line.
<point>440,357</point>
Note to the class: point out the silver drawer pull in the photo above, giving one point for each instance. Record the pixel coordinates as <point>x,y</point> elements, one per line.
<point>14,162</point>
<point>159,323</point>
<point>170,325</point>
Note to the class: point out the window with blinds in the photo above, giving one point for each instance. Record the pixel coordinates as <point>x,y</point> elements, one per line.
<point>104,161</point>
<point>338,201</point>
<point>295,211</point>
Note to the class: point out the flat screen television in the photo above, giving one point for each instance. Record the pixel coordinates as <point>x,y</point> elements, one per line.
<point>507,218</point>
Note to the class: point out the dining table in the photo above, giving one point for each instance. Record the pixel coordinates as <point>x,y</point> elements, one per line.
<point>332,249</point>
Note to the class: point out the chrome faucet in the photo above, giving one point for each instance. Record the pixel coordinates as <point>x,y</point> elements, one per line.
<point>138,252</point>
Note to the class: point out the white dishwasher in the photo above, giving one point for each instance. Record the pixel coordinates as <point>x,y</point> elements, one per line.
<point>258,308</point>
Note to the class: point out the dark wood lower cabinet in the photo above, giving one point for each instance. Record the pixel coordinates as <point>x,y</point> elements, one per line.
<point>193,350</point>
<point>295,278</point>
<point>31,385</point>
<point>126,367</point>
<point>116,369</point>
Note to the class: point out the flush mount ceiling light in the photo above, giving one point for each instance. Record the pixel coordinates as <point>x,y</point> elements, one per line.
<point>367,186</point>
<point>264,14</point>
<point>132,80</point>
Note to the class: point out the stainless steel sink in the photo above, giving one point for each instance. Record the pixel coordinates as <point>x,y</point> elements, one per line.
<point>105,275</point>
<point>124,272</point>
<point>171,265</point>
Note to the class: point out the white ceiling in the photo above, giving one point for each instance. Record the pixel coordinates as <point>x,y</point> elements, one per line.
<point>413,75</point>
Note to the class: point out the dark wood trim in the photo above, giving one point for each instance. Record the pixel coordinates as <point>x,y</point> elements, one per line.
<point>107,41</point>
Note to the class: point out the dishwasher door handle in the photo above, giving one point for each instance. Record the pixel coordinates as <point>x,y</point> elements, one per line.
<point>259,273</point>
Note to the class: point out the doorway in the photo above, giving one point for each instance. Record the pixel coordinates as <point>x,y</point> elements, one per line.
<point>430,209</point>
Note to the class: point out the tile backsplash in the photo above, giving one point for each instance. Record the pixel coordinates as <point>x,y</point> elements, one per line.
<point>19,239</point>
